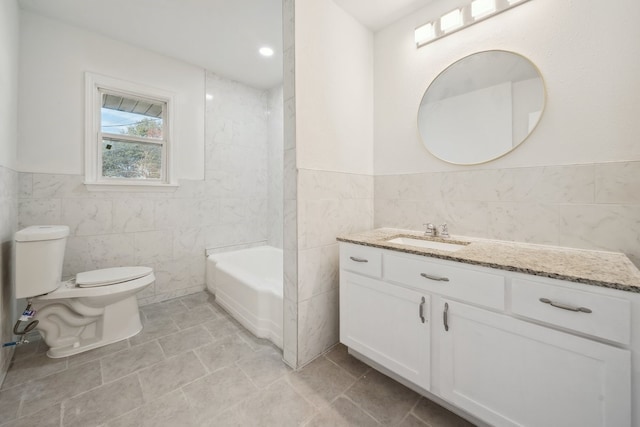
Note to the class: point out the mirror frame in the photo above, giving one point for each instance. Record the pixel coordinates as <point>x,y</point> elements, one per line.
<point>542,110</point>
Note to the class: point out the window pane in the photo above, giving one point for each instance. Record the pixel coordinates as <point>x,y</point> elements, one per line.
<point>131,116</point>
<point>123,159</point>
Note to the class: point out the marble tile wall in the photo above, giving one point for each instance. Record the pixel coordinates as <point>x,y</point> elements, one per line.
<point>236,167</point>
<point>275,158</point>
<point>166,231</point>
<point>290,192</point>
<point>329,204</point>
<point>593,206</point>
<point>8,226</point>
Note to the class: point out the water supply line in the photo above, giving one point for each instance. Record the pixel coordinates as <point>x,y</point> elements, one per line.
<point>26,316</point>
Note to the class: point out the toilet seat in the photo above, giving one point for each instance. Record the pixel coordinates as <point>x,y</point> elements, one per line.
<point>110,276</point>
<point>70,289</point>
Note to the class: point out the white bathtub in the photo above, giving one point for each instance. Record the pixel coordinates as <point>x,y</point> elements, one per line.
<point>248,284</point>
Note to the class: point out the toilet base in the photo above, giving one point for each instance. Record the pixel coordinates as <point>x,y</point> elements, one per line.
<point>58,352</point>
<point>76,325</point>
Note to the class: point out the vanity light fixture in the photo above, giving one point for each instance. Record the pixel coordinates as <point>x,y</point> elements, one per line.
<point>474,11</point>
<point>451,21</point>
<point>425,33</point>
<point>480,8</point>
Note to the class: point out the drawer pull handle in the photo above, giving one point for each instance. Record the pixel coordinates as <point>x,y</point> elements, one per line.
<point>356,259</point>
<point>445,316</point>
<point>421,311</point>
<point>565,306</point>
<point>436,278</point>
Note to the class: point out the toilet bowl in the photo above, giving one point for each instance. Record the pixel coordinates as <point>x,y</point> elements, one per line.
<point>94,309</point>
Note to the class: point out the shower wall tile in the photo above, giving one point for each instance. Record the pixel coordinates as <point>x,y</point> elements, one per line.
<point>592,206</point>
<point>275,164</point>
<point>290,220</point>
<point>290,173</point>
<point>288,18</point>
<point>289,73</point>
<point>290,123</point>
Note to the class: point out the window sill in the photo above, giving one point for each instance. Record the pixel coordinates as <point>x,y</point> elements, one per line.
<point>125,186</point>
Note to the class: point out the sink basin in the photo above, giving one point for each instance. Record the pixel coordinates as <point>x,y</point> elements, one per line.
<point>429,244</point>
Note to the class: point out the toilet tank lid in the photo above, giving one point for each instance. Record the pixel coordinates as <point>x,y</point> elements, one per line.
<point>110,276</point>
<point>42,232</point>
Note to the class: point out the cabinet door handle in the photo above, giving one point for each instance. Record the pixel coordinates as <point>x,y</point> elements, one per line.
<point>445,316</point>
<point>565,306</point>
<point>421,310</point>
<point>356,259</point>
<point>436,278</point>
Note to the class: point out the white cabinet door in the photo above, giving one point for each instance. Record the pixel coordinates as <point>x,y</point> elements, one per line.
<point>388,324</point>
<point>513,373</point>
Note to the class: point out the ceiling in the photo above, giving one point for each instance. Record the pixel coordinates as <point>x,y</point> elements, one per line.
<point>220,35</point>
<point>377,14</point>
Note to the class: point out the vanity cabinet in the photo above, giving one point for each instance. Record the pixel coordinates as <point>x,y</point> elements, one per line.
<point>509,372</point>
<point>482,339</point>
<point>387,324</point>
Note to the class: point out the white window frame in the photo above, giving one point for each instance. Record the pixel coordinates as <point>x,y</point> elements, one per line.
<point>95,85</point>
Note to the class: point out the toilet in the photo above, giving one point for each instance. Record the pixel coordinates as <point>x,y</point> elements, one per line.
<point>93,309</point>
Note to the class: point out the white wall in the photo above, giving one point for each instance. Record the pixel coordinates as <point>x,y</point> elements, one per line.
<point>334,89</point>
<point>9,35</point>
<point>53,59</point>
<point>334,164</point>
<point>586,52</point>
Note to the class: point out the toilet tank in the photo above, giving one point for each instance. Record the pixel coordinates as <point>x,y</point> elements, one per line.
<point>39,257</point>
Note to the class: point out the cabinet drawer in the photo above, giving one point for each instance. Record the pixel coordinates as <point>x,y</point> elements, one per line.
<point>461,283</point>
<point>609,317</point>
<point>361,259</point>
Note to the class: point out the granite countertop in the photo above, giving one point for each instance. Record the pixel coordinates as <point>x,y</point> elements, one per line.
<point>605,269</point>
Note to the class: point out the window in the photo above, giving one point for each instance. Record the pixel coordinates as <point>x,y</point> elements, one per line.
<point>128,137</point>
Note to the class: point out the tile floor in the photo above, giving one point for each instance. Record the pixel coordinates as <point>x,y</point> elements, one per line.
<point>192,365</point>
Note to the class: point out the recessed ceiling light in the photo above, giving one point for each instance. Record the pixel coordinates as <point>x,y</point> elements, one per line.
<point>209,97</point>
<point>266,51</point>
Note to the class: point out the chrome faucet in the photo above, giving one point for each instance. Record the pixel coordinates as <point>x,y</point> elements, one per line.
<point>430,230</point>
<point>444,230</point>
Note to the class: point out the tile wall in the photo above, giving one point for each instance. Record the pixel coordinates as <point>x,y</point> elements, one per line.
<point>169,231</point>
<point>329,204</point>
<point>290,191</point>
<point>594,206</point>
<point>8,226</point>
<point>275,158</point>
<point>165,231</point>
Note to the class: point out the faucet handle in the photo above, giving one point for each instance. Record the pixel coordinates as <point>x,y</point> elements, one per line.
<point>444,230</point>
<point>430,229</point>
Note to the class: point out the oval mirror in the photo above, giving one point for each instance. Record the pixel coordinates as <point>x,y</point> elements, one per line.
<point>481,107</point>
